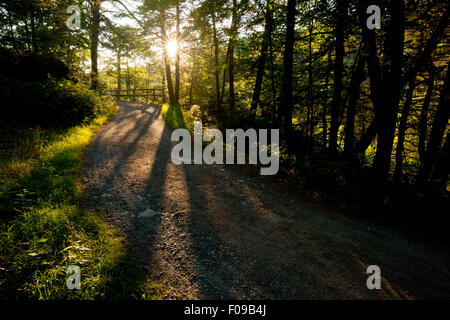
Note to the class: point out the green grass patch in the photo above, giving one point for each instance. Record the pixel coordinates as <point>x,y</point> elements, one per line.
<point>44,227</point>
<point>177,118</point>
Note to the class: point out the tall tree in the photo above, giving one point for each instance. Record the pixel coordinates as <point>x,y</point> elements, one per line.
<point>164,42</point>
<point>95,31</point>
<point>287,102</point>
<point>423,121</point>
<point>440,122</point>
<point>376,83</point>
<point>353,96</point>
<point>386,114</point>
<point>262,58</point>
<point>402,132</point>
<point>216,59</point>
<point>340,21</point>
<point>233,35</point>
<point>177,59</point>
<point>440,174</point>
<point>309,124</point>
<point>325,102</point>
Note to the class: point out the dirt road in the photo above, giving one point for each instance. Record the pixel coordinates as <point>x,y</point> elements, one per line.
<point>210,232</point>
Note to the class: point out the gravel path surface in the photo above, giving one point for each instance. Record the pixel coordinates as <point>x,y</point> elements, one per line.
<point>212,232</point>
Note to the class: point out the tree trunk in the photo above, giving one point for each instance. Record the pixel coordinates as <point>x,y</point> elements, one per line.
<point>423,122</point>
<point>430,46</point>
<point>163,84</point>
<point>340,20</point>
<point>119,71</point>
<point>309,125</point>
<point>439,125</point>
<point>402,132</point>
<point>353,96</point>
<point>127,83</point>
<point>262,60</point>
<point>216,60</point>
<point>95,30</point>
<point>272,80</point>
<point>164,39</point>
<point>386,114</point>
<point>177,63</point>
<point>231,55</point>
<point>366,139</point>
<point>224,77</point>
<point>287,103</point>
<point>375,81</point>
<point>325,103</point>
<point>440,175</point>
<point>190,93</point>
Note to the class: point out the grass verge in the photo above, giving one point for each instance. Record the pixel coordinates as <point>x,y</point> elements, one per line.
<point>44,227</point>
<point>177,118</point>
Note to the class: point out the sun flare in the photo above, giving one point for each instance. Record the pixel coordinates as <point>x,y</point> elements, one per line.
<point>172,48</point>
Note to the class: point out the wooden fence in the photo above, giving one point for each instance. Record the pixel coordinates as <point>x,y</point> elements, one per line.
<point>148,95</point>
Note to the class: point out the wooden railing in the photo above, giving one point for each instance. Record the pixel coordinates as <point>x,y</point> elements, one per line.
<point>156,94</point>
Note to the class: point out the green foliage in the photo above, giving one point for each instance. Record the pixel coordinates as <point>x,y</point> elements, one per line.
<point>50,103</point>
<point>31,67</point>
<point>39,27</point>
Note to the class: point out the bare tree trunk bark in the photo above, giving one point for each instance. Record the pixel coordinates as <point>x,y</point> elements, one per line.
<point>375,78</point>
<point>309,128</point>
<point>95,30</point>
<point>340,20</point>
<point>423,122</point>
<point>216,60</point>
<point>262,60</point>
<point>231,55</point>
<point>119,71</point>
<point>272,80</point>
<point>190,93</point>
<point>287,103</point>
<point>325,104</point>
<point>440,175</point>
<point>127,83</point>
<point>164,39</point>
<point>439,124</point>
<point>309,125</point>
<point>402,133</point>
<point>224,77</point>
<point>353,96</point>
<point>386,114</point>
<point>177,63</point>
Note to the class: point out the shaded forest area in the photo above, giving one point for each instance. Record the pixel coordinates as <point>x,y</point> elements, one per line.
<point>363,113</point>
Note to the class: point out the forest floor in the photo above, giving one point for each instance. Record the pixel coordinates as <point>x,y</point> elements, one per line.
<point>216,232</point>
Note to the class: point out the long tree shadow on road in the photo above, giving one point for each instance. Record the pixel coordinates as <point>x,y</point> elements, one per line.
<point>109,158</point>
<point>211,232</point>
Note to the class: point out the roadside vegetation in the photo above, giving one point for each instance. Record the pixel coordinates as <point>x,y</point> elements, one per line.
<point>50,117</point>
<point>45,227</point>
<point>176,117</point>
